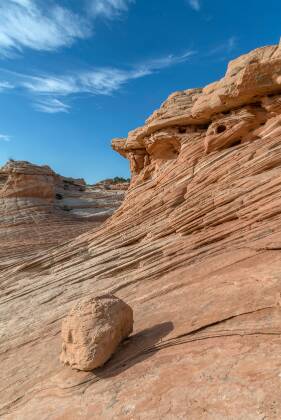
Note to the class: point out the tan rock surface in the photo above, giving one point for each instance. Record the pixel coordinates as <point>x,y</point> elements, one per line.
<point>194,249</point>
<point>93,330</point>
<point>40,209</point>
<point>247,79</point>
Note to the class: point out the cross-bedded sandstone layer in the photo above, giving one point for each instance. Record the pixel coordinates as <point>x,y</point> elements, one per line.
<point>39,209</point>
<point>194,249</point>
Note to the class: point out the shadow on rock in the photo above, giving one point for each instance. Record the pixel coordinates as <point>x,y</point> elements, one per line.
<point>135,349</point>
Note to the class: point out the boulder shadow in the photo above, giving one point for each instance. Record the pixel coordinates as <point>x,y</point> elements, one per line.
<point>135,349</point>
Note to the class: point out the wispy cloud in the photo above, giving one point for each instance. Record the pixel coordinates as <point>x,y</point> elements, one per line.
<point>24,3</point>
<point>5,86</point>
<point>45,89</point>
<point>46,26</point>
<point>103,81</point>
<point>225,47</point>
<point>109,9</point>
<point>168,60</point>
<point>51,106</point>
<point>231,43</point>
<point>4,137</point>
<point>57,85</point>
<point>106,81</point>
<point>38,25</point>
<point>195,5</point>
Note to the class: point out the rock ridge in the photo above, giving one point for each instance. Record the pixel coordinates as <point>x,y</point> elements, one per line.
<point>40,209</point>
<point>194,249</point>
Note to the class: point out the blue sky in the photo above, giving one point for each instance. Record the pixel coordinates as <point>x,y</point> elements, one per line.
<point>76,73</point>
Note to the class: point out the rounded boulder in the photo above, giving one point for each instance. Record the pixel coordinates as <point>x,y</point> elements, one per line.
<point>93,330</point>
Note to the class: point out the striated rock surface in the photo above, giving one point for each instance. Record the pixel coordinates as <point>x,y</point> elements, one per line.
<point>93,330</point>
<point>194,249</point>
<point>40,209</point>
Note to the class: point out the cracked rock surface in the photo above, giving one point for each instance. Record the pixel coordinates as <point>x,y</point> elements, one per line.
<point>195,249</point>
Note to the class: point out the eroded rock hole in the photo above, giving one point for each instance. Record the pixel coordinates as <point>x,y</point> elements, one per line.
<point>165,150</point>
<point>220,129</point>
<point>182,130</point>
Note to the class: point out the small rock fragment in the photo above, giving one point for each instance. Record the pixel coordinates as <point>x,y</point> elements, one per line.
<point>93,330</point>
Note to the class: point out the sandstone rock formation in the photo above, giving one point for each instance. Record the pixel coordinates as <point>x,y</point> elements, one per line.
<point>40,209</point>
<point>93,330</point>
<point>194,248</point>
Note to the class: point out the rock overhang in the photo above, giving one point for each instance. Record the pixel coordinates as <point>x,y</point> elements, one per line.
<point>248,94</point>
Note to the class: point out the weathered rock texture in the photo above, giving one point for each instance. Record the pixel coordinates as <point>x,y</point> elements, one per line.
<point>93,330</point>
<point>194,249</point>
<point>40,209</point>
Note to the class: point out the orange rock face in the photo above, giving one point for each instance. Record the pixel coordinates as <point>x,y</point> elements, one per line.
<point>194,249</point>
<point>40,209</point>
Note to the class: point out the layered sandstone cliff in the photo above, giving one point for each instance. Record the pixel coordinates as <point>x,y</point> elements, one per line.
<point>194,249</point>
<point>40,209</point>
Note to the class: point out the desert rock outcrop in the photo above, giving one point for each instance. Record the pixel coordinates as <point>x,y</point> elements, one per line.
<point>93,330</point>
<point>194,248</point>
<point>39,209</point>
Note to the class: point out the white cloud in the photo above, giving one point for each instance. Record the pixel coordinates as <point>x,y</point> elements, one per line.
<point>167,61</point>
<point>45,89</point>
<point>5,85</point>
<point>109,9</point>
<point>103,81</point>
<point>24,3</point>
<point>37,25</point>
<point>4,137</point>
<point>231,43</point>
<point>51,106</point>
<point>106,81</point>
<point>64,85</point>
<point>195,5</point>
<point>225,47</point>
<point>44,25</point>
